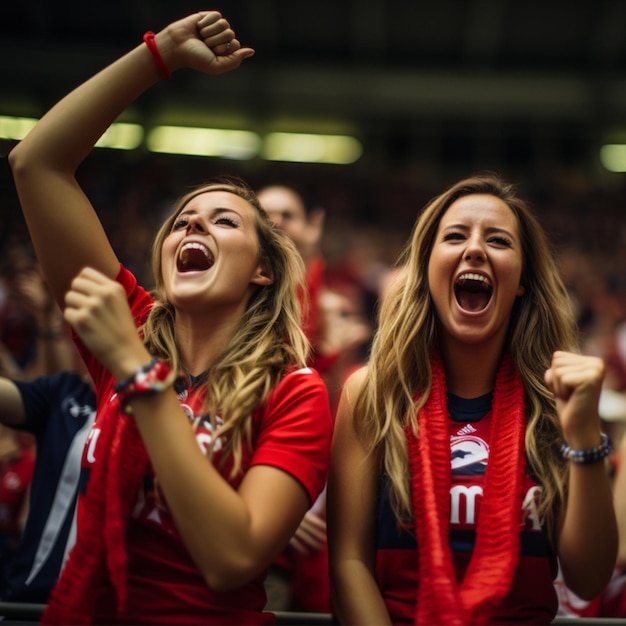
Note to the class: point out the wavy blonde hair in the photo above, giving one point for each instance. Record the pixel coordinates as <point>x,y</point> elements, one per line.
<point>268,340</point>
<point>399,370</point>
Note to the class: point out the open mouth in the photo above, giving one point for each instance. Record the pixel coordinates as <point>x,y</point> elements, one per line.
<point>194,257</point>
<point>473,291</point>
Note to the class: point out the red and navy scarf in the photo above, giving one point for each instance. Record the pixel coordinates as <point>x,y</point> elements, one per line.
<point>487,581</point>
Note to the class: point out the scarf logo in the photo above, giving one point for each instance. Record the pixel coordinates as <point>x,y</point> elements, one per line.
<point>469,453</point>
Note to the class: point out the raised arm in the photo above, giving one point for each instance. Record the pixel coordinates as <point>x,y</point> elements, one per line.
<point>65,230</point>
<point>587,541</point>
<point>351,518</point>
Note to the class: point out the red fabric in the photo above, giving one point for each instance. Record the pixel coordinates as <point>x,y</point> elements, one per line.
<point>16,473</point>
<point>492,566</point>
<point>311,584</point>
<point>314,285</point>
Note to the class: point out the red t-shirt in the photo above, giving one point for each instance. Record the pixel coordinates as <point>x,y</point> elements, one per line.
<point>292,432</point>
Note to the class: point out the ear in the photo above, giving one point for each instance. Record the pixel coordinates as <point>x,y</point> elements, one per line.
<point>521,290</point>
<point>261,277</point>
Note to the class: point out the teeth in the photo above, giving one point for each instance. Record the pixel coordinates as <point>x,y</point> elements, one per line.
<point>193,245</point>
<point>471,276</point>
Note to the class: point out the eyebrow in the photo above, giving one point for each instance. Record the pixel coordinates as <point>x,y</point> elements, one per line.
<point>490,230</point>
<point>213,211</point>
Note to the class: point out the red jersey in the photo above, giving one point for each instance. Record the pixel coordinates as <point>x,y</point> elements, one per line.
<point>291,432</point>
<point>532,598</point>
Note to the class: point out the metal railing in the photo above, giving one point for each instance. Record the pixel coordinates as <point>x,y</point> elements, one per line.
<point>27,614</point>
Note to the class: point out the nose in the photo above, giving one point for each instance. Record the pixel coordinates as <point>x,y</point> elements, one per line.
<point>474,249</point>
<point>196,224</point>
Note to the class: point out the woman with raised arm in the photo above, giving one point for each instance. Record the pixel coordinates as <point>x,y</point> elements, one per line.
<point>212,437</point>
<point>466,455</point>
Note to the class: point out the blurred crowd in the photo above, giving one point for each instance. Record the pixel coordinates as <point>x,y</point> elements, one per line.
<point>365,225</point>
<point>367,220</point>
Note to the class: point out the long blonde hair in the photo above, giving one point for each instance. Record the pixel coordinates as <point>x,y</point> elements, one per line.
<point>399,375</point>
<point>267,342</point>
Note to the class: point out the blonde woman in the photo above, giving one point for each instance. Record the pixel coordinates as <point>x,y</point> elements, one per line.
<point>212,437</point>
<point>466,455</point>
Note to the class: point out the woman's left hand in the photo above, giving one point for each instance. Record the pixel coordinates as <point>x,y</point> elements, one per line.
<point>98,310</point>
<point>576,382</point>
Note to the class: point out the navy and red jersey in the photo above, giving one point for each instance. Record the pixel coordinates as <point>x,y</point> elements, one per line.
<point>532,599</point>
<point>291,432</point>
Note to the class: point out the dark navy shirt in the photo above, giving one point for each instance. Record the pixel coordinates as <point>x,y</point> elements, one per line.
<point>59,410</point>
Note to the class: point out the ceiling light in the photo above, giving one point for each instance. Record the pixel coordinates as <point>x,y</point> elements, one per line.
<point>118,136</point>
<point>15,128</point>
<point>308,148</point>
<point>613,157</point>
<point>213,142</point>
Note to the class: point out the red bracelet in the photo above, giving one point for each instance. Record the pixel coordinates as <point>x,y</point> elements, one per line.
<point>156,55</point>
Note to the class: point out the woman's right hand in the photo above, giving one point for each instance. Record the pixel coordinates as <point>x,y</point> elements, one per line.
<point>97,308</point>
<point>203,41</point>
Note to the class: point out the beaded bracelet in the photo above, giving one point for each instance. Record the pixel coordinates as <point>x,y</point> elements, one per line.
<point>156,54</point>
<point>149,379</point>
<point>584,457</point>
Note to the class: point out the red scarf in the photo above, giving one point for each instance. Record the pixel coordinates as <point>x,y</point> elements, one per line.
<point>441,599</point>
<point>100,551</point>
